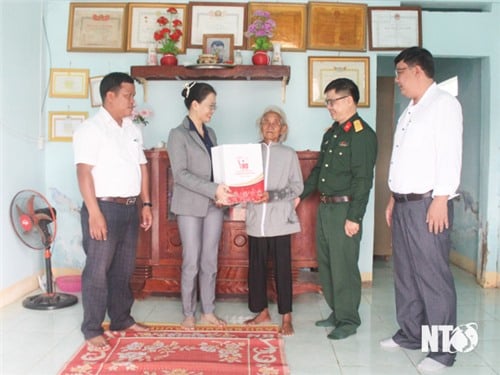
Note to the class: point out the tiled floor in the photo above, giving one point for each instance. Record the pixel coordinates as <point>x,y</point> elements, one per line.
<point>39,342</point>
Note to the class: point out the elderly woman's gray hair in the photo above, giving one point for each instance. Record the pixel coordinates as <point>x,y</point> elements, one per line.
<point>283,121</point>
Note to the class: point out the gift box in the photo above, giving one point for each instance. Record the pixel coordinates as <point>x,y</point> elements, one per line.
<point>240,167</point>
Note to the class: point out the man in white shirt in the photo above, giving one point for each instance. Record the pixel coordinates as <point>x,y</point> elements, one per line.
<point>112,173</point>
<point>424,175</point>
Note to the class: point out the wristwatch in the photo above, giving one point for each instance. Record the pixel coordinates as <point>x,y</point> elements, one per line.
<point>147,204</point>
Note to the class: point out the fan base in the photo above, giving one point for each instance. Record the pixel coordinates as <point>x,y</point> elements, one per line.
<point>52,301</point>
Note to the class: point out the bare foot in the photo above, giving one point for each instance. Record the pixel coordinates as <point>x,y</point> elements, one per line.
<point>212,319</point>
<point>138,327</point>
<point>262,317</point>
<point>97,343</point>
<point>286,325</point>
<point>188,323</point>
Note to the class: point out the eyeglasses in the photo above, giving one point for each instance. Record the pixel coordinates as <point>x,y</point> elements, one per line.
<point>331,102</point>
<point>400,71</point>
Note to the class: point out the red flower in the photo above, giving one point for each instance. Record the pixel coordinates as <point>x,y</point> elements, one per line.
<point>347,126</point>
<point>162,21</point>
<point>158,35</point>
<point>168,37</point>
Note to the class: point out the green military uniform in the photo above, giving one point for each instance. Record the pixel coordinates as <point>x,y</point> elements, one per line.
<point>344,169</point>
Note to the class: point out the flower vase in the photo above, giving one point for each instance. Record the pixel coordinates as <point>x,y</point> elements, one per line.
<point>168,59</point>
<point>260,58</point>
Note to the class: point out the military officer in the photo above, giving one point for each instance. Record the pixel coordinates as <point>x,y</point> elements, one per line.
<point>343,176</point>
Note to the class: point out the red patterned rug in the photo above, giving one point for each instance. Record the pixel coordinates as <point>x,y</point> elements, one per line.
<point>170,350</point>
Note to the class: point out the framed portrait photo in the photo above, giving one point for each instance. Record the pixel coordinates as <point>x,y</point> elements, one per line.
<point>336,26</point>
<point>69,83</point>
<point>322,70</point>
<point>142,24</point>
<point>97,27</point>
<point>63,124</point>
<point>217,18</point>
<point>291,21</point>
<point>220,45</point>
<point>394,28</point>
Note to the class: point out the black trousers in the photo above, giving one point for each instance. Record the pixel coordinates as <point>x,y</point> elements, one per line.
<point>278,248</point>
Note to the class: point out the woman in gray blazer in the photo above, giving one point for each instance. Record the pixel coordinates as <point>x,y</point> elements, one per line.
<point>194,199</point>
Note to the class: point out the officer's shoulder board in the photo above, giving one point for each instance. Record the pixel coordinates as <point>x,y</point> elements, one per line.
<point>358,125</point>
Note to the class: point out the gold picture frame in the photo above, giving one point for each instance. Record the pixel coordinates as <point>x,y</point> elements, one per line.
<point>69,83</point>
<point>216,18</point>
<point>291,21</point>
<point>221,45</point>
<point>142,24</point>
<point>394,28</point>
<point>94,89</point>
<point>336,26</point>
<point>62,125</point>
<point>97,27</point>
<point>322,70</point>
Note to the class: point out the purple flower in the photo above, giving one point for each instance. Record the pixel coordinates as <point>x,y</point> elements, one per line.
<point>262,26</point>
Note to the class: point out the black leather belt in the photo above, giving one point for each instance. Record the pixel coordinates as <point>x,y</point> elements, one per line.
<point>411,197</point>
<point>127,201</point>
<point>334,198</point>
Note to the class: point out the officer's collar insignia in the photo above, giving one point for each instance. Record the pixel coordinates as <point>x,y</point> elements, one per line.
<point>347,126</point>
<point>358,125</point>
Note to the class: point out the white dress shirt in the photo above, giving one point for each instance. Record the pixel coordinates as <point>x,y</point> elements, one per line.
<point>427,150</point>
<point>115,151</point>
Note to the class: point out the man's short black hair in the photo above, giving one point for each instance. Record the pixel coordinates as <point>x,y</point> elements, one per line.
<point>112,82</point>
<point>345,85</point>
<point>417,56</point>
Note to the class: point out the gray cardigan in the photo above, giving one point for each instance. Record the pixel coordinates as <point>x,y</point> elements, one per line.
<point>191,169</point>
<point>283,180</point>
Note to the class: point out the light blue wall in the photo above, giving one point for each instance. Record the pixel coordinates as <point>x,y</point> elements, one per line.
<point>51,170</point>
<point>21,118</point>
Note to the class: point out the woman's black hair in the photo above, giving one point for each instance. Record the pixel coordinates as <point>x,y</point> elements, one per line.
<point>196,91</point>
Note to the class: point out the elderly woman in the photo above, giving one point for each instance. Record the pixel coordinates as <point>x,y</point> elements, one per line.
<point>271,221</point>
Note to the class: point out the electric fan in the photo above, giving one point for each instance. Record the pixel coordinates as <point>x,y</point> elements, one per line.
<point>34,221</point>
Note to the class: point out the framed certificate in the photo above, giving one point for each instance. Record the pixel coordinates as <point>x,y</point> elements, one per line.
<point>97,27</point>
<point>291,20</point>
<point>336,26</point>
<point>94,89</point>
<point>69,83</point>
<point>142,24</point>
<point>323,70</point>
<point>62,125</point>
<point>217,18</point>
<point>394,28</point>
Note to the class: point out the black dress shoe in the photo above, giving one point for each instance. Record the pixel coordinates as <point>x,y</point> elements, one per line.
<point>341,332</point>
<point>328,322</point>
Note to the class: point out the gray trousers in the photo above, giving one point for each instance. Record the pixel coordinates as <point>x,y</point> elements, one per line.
<point>425,290</point>
<point>200,244</point>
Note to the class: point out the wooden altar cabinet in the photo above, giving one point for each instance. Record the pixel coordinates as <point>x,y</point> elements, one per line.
<point>159,252</point>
